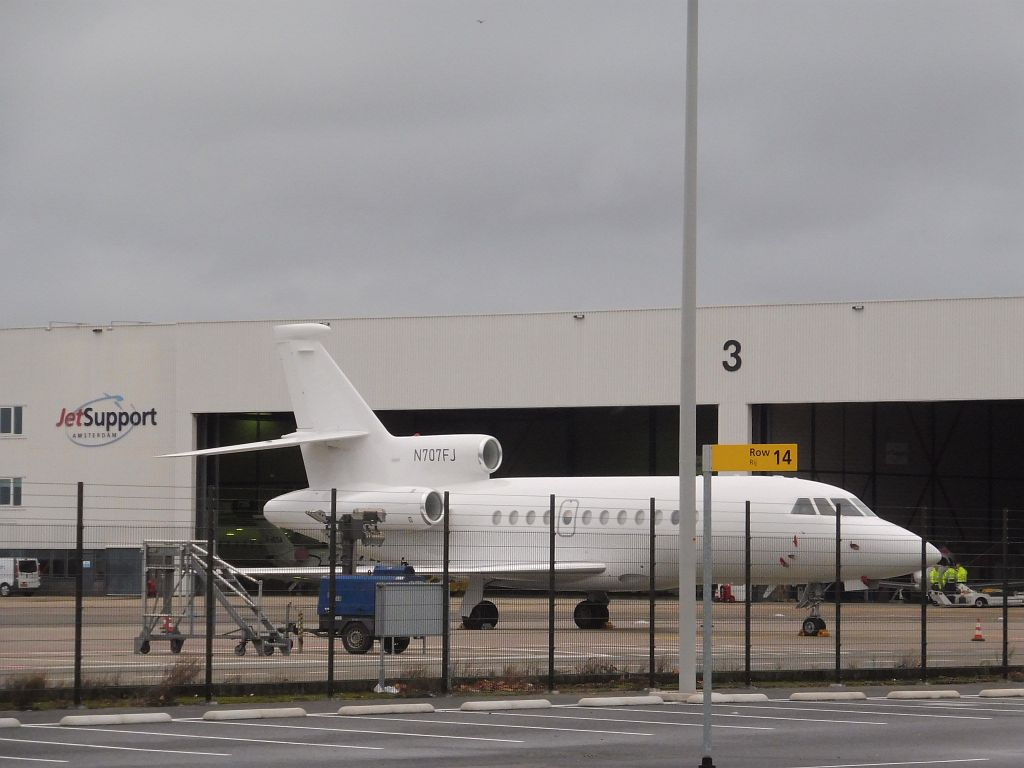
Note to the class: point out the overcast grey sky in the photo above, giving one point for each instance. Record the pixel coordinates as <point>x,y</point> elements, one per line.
<point>167,161</point>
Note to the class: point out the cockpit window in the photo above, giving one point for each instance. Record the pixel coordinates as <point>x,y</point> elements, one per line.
<point>863,507</point>
<point>803,507</point>
<point>825,507</point>
<point>847,508</point>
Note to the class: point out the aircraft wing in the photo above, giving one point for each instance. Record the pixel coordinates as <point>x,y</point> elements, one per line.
<point>509,572</point>
<point>295,438</point>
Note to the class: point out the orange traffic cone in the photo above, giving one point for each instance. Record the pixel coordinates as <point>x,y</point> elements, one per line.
<point>977,633</point>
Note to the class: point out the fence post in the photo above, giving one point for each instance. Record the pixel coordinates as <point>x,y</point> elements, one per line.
<point>838,592</point>
<point>210,608</point>
<point>79,585</point>
<point>651,595</point>
<point>1006,594</point>
<point>747,589</point>
<point>925,587</point>
<point>446,640</point>
<point>551,594</point>
<point>332,591</point>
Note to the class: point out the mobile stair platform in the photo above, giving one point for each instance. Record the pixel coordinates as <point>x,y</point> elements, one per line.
<point>174,576</point>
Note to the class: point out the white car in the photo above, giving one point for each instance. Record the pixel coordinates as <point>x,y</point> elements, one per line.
<point>967,596</point>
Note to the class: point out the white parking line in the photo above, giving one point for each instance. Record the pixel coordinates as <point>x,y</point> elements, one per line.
<point>858,708</point>
<point>350,730</point>
<point>889,765</point>
<point>697,713</point>
<point>473,724</point>
<point>641,722</point>
<point>214,738</point>
<point>125,749</point>
<point>32,759</point>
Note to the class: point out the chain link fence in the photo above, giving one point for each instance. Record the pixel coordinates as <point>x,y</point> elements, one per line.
<point>117,606</point>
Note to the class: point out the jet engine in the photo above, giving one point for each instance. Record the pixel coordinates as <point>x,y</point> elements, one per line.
<point>379,510</point>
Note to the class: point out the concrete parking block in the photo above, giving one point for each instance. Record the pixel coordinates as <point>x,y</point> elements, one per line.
<point>1002,693</point>
<point>725,698</point>
<point>491,706</point>
<point>923,695</point>
<point>619,701</point>
<point>828,696</point>
<point>385,709</point>
<point>9,722</point>
<point>253,714</point>
<point>121,719</point>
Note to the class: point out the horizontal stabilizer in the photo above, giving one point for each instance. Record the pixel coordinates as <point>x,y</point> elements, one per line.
<point>295,438</point>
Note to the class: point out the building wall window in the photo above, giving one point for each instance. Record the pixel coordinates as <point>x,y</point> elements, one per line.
<point>10,420</point>
<point>10,491</point>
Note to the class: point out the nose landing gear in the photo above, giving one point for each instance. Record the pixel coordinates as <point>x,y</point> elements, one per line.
<point>812,596</point>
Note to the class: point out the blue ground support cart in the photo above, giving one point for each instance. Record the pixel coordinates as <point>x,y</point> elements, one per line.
<point>355,607</point>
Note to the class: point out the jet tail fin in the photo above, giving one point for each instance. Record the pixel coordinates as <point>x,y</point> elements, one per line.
<point>323,398</point>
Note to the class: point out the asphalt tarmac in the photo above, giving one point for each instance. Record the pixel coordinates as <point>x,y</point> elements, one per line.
<point>38,636</point>
<point>876,732</point>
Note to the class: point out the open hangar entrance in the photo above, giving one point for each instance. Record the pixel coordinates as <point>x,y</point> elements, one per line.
<point>960,460</point>
<point>536,442</point>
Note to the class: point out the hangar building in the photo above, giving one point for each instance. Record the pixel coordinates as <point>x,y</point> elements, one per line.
<point>908,404</point>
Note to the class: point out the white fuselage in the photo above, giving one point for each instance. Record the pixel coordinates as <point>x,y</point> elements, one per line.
<point>502,526</point>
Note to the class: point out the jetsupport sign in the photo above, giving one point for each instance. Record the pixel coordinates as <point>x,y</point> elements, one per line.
<point>103,421</point>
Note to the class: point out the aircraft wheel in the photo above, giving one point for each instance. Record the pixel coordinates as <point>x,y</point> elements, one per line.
<point>812,626</point>
<point>590,615</point>
<point>240,649</point>
<point>176,644</point>
<point>356,637</point>
<point>394,644</point>
<point>483,616</point>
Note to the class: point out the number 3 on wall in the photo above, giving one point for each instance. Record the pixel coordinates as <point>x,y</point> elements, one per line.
<point>734,362</point>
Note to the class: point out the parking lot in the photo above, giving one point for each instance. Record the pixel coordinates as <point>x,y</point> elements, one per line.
<point>775,733</point>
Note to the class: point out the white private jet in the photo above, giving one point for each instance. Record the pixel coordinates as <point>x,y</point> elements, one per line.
<point>501,527</point>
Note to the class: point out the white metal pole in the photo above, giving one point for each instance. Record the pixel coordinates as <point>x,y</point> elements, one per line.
<point>688,376</point>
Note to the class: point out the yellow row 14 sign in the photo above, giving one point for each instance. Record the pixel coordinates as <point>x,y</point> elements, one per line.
<point>767,457</point>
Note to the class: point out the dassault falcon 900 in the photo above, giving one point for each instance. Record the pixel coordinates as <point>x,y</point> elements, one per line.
<point>395,486</point>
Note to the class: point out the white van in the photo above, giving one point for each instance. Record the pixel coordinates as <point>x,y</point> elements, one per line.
<point>18,574</point>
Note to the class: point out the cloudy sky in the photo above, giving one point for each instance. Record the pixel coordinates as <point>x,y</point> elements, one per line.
<point>246,160</point>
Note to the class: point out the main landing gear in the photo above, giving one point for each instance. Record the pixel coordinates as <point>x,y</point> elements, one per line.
<point>478,613</point>
<point>811,596</point>
<point>592,613</point>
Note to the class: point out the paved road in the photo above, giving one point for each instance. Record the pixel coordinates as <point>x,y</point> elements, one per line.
<point>778,733</point>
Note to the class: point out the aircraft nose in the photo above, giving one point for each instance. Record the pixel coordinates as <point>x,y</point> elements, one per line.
<point>932,555</point>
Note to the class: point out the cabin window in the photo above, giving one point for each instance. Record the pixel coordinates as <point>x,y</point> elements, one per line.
<point>621,518</point>
<point>847,508</point>
<point>604,517</point>
<point>496,517</point>
<point>803,507</point>
<point>825,507</point>
<point>675,517</point>
<point>658,516</point>
<point>530,517</point>
<point>547,517</point>
<point>513,517</point>
<point>639,519</point>
<point>587,514</point>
